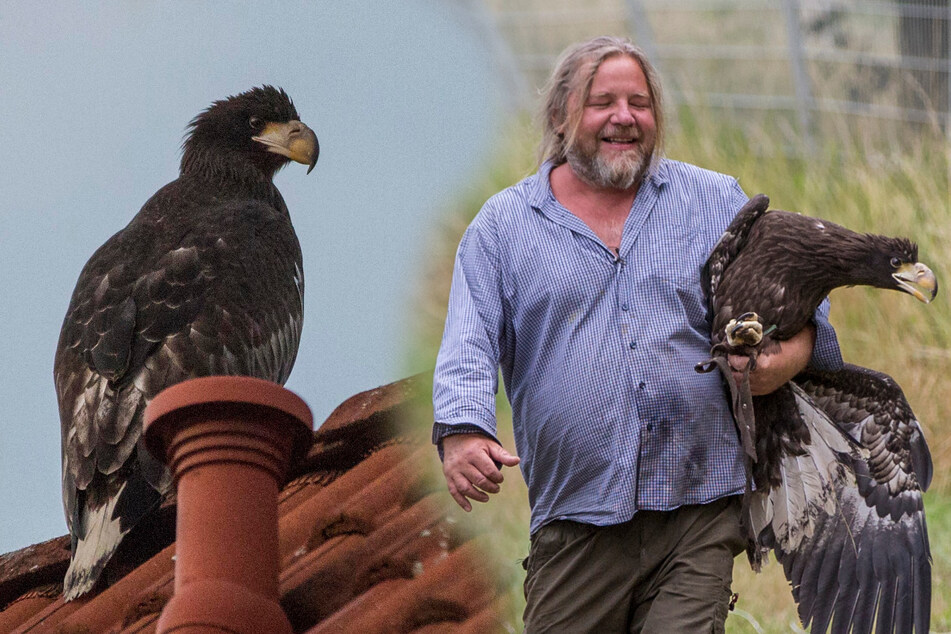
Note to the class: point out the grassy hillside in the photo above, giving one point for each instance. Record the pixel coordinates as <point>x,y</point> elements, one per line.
<point>864,188</point>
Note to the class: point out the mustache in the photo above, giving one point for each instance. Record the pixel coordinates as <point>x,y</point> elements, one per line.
<point>621,131</point>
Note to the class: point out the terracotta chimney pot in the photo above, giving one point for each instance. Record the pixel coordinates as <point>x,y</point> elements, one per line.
<point>228,442</point>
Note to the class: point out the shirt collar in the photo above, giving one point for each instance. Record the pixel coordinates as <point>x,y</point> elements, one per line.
<point>657,176</point>
<point>541,188</point>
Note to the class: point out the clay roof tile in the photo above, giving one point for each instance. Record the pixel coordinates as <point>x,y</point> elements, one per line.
<point>365,545</point>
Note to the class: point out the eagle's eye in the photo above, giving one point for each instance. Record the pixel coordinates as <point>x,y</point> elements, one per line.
<point>255,123</point>
<point>895,262</point>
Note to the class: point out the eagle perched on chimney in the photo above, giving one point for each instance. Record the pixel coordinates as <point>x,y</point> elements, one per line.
<point>205,280</point>
<point>837,460</point>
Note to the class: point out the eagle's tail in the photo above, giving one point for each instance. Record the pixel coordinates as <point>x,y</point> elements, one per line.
<point>93,546</point>
<point>100,525</point>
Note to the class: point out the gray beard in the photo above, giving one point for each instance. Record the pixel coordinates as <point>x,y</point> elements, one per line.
<point>624,173</point>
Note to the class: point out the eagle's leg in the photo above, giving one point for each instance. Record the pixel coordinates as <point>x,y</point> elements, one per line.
<point>745,330</point>
<point>741,334</point>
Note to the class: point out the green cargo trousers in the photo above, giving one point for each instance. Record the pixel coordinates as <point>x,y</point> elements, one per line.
<point>662,571</point>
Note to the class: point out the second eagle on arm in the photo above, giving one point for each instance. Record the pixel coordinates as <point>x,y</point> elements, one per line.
<point>836,459</point>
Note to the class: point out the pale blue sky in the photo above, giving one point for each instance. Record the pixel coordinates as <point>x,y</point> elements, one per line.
<point>94,99</point>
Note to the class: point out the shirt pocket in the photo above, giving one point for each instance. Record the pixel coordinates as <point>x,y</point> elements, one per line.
<point>671,276</point>
<point>677,255</point>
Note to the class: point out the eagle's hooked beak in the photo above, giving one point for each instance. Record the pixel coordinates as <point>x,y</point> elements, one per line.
<point>292,139</point>
<point>917,280</point>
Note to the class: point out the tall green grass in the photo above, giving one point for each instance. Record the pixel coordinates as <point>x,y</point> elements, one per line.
<point>845,179</point>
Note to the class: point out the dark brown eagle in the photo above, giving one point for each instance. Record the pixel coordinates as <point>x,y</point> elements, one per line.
<point>837,459</point>
<point>205,280</point>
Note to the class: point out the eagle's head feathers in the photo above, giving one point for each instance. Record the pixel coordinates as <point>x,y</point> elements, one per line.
<point>890,263</point>
<point>248,136</point>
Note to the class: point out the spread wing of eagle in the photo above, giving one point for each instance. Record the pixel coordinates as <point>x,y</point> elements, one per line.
<point>837,459</point>
<point>205,280</point>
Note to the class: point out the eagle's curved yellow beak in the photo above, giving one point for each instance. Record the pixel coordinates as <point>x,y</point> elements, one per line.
<point>292,139</point>
<point>917,280</point>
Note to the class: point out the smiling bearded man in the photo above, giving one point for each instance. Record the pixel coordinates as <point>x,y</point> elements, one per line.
<point>582,283</point>
<point>612,147</point>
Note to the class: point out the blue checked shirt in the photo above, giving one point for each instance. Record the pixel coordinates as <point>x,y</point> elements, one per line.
<point>597,351</point>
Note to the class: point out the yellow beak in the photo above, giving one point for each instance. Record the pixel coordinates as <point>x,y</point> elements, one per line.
<point>917,280</point>
<point>292,139</point>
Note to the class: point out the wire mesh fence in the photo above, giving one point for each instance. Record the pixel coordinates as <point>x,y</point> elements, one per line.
<point>807,67</point>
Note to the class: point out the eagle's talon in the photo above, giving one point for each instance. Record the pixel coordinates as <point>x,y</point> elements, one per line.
<point>745,330</point>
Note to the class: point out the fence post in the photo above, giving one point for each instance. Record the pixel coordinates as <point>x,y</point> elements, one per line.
<point>805,104</point>
<point>641,26</point>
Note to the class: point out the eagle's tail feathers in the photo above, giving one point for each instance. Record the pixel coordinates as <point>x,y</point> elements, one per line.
<point>106,516</point>
<point>94,548</point>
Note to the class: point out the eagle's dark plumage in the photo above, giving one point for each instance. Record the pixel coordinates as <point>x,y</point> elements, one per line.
<point>205,280</point>
<point>838,459</point>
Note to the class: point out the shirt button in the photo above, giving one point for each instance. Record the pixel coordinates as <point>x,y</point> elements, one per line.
<point>633,345</point>
<point>641,385</point>
<point>625,306</point>
<point>650,426</point>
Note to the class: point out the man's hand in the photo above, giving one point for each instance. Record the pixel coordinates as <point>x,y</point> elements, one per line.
<point>469,466</point>
<point>775,369</point>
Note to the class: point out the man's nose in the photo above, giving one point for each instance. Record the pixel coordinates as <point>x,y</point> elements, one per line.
<point>622,115</point>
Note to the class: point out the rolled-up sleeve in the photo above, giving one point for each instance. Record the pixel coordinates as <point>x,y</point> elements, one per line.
<point>465,383</point>
<point>825,354</point>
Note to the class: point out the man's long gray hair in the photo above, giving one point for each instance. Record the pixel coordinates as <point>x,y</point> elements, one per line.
<point>573,75</point>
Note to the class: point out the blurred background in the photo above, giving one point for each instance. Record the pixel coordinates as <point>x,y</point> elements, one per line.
<point>797,64</point>
<point>834,108</point>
